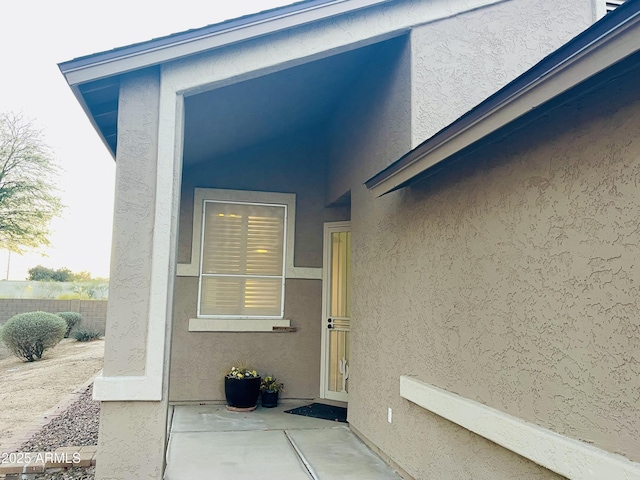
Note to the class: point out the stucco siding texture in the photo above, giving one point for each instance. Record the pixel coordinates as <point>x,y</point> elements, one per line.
<point>128,305</point>
<point>294,164</point>
<point>132,439</point>
<point>199,359</point>
<point>510,278</point>
<point>461,60</point>
<point>132,434</point>
<point>373,121</point>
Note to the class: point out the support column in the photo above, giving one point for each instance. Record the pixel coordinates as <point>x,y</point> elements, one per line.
<point>134,387</point>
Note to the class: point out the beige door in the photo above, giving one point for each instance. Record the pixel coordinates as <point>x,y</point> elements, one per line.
<point>336,311</point>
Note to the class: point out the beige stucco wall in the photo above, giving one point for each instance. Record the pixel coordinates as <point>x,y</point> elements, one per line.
<point>199,359</point>
<point>421,306</point>
<point>132,440</point>
<point>295,165</point>
<point>383,233</point>
<point>129,287</point>
<point>460,61</point>
<point>379,102</point>
<point>132,434</point>
<point>423,81</point>
<point>509,278</point>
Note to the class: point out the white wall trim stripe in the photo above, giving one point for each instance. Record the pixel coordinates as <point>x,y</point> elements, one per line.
<point>572,458</point>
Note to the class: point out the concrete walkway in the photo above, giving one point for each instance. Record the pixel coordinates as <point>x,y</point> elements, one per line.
<point>211,443</point>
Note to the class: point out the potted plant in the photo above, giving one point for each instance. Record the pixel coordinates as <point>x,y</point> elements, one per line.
<point>242,388</point>
<point>270,388</point>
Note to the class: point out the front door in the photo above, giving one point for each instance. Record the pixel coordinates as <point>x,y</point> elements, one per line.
<point>336,311</point>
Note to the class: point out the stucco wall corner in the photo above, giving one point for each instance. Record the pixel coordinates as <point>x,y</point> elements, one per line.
<point>459,61</point>
<point>127,424</point>
<point>508,278</point>
<point>129,288</point>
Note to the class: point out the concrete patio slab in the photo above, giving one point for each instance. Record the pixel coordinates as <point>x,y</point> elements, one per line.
<point>209,442</point>
<point>216,418</point>
<point>337,454</point>
<point>242,455</point>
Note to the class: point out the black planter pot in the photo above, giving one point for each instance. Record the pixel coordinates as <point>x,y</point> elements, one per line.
<point>242,393</point>
<point>270,399</point>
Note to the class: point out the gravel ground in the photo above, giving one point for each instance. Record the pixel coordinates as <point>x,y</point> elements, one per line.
<point>76,426</point>
<point>87,473</point>
<point>29,389</point>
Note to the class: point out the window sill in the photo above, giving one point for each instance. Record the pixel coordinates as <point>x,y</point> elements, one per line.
<point>311,273</point>
<point>236,325</point>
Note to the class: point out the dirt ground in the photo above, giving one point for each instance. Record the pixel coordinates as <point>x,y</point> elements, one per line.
<point>27,390</point>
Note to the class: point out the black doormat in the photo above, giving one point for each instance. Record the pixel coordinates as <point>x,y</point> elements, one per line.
<point>320,410</point>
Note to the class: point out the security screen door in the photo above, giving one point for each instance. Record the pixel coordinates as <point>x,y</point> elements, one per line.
<point>336,311</point>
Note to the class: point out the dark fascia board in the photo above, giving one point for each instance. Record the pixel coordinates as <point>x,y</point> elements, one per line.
<point>607,42</point>
<point>179,45</point>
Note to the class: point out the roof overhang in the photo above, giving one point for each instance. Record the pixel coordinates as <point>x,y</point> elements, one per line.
<point>172,47</point>
<point>606,43</point>
<point>98,74</point>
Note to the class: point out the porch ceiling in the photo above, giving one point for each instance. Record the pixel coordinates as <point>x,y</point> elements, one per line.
<point>238,116</point>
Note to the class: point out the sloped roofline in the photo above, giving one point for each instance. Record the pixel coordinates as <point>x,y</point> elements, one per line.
<point>154,52</point>
<point>606,43</point>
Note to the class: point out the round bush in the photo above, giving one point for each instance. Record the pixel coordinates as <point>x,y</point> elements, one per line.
<point>28,335</point>
<point>73,319</point>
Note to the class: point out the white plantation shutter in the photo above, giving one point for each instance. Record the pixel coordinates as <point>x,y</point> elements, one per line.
<point>242,260</point>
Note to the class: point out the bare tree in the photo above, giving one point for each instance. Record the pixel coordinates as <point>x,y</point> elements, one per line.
<point>28,199</point>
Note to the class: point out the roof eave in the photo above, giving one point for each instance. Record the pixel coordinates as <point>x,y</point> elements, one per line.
<point>598,48</point>
<point>154,52</point>
<point>78,94</point>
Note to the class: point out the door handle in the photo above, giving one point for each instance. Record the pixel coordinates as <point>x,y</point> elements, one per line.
<point>329,320</point>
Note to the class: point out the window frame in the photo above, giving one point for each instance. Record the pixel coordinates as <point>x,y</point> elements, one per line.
<point>192,269</point>
<point>284,261</point>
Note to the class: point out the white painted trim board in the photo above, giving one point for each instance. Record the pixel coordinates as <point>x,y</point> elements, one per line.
<point>569,457</point>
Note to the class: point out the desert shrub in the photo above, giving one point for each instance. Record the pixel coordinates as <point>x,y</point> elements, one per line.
<point>86,335</point>
<point>28,335</point>
<point>73,319</point>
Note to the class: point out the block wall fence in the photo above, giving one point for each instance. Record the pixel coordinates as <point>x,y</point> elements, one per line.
<point>94,312</point>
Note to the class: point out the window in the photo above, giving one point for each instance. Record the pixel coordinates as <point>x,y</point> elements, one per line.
<point>242,260</point>
<point>242,268</point>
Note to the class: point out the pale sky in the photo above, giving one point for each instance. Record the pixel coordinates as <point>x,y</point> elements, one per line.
<point>35,35</point>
